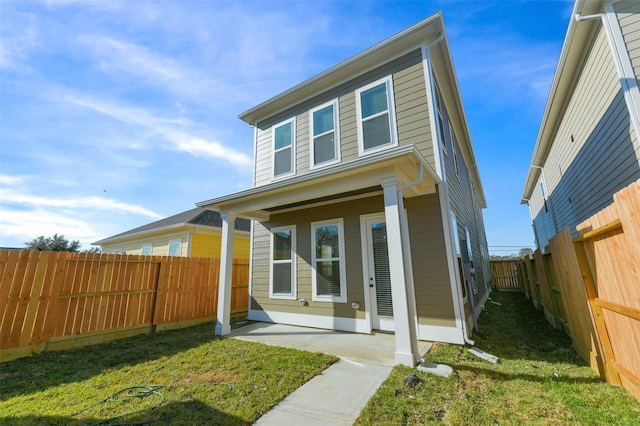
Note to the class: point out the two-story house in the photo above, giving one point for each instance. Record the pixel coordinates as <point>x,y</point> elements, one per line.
<point>587,147</point>
<point>367,201</point>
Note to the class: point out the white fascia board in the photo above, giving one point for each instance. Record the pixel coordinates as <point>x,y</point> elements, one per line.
<point>134,235</point>
<point>341,177</point>
<point>410,38</point>
<point>468,153</point>
<point>571,56</point>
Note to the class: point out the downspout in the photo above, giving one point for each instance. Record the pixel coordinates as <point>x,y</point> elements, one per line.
<point>444,189</point>
<point>533,223</point>
<point>623,65</point>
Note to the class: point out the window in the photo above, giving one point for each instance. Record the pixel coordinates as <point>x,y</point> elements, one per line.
<point>469,249</point>
<point>456,239</point>
<point>456,167</point>
<point>324,135</point>
<point>376,116</point>
<point>440,118</point>
<point>283,271</point>
<point>328,277</point>
<point>283,142</point>
<point>175,247</point>
<point>147,249</point>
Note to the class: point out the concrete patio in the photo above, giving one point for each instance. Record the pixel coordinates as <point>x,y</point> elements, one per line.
<point>336,396</point>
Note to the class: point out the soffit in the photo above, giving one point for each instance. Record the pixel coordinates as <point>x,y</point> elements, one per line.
<point>357,178</point>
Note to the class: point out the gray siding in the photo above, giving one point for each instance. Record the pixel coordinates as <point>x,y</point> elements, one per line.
<point>594,152</point>
<point>433,292</point>
<point>628,13</point>
<point>412,117</point>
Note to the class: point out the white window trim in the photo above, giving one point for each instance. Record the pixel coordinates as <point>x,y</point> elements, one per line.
<point>293,294</point>
<point>179,241</point>
<point>391,110</point>
<point>150,245</point>
<point>456,237</point>
<point>442,118</point>
<point>336,138</point>
<point>469,249</point>
<point>343,270</point>
<point>456,166</point>
<point>291,120</point>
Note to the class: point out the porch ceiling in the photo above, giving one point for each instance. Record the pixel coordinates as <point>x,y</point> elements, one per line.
<point>358,178</point>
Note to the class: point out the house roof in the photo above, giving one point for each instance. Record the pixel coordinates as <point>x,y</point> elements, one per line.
<point>420,34</point>
<point>193,217</point>
<point>571,59</point>
<point>347,180</point>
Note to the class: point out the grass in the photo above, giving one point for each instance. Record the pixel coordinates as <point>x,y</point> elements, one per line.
<point>539,381</point>
<point>194,377</point>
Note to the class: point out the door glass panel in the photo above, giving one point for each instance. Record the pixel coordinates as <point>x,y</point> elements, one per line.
<point>381,266</point>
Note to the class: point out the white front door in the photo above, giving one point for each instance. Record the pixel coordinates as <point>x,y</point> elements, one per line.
<point>379,278</point>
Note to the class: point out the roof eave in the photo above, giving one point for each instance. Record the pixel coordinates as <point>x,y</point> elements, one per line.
<point>577,34</point>
<point>348,69</point>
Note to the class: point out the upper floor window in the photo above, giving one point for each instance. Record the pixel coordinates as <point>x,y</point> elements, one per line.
<point>454,143</point>
<point>283,146</point>
<point>146,249</point>
<point>376,116</point>
<point>324,135</point>
<point>440,117</point>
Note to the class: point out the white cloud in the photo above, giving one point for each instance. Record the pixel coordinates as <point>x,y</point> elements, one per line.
<point>17,40</point>
<point>170,129</point>
<point>10,196</point>
<point>25,225</point>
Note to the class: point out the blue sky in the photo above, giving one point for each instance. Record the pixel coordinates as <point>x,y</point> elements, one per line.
<point>114,114</point>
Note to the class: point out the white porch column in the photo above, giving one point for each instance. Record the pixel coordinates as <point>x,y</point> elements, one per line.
<point>406,338</point>
<point>223,315</point>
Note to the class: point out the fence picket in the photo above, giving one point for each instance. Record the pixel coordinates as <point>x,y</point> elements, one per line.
<point>57,295</point>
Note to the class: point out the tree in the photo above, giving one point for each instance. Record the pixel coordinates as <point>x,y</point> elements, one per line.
<point>525,252</point>
<point>55,243</point>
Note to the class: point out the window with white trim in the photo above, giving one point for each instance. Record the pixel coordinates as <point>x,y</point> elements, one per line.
<point>175,248</point>
<point>283,148</point>
<point>454,142</point>
<point>282,276</point>
<point>440,118</point>
<point>147,249</point>
<point>376,116</point>
<point>456,239</point>
<point>324,134</point>
<point>328,279</point>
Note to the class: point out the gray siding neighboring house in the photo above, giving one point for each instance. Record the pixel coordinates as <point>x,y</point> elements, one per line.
<point>587,147</point>
<point>367,201</point>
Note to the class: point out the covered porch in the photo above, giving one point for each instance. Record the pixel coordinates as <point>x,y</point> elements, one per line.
<point>392,175</point>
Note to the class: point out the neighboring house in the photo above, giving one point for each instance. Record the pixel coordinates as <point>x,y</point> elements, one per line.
<point>194,233</point>
<point>366,200</point>
<point>587,147</point>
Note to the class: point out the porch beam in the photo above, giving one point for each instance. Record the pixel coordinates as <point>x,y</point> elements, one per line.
<point>405,334</point>
<point>223,314</point>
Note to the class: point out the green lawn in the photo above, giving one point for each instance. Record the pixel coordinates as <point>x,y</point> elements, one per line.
<point>193,378</point>
<point>539,381</point>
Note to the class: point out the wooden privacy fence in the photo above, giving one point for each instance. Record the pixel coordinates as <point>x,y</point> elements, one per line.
<point>59,300</point>
<point>505,275</point>
<point>590,287</point>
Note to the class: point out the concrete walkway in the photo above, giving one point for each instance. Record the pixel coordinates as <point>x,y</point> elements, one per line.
<point>338,395</point>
